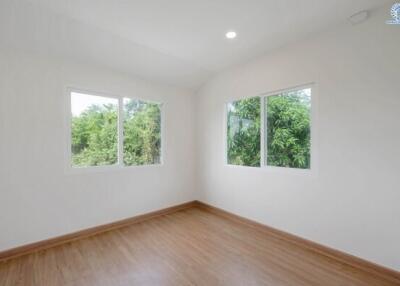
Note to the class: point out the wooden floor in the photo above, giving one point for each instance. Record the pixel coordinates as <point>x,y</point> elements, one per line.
<point>190,247</point>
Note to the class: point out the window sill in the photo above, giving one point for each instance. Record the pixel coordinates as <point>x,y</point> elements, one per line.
<point>106,169</point>
<point>277,170</point>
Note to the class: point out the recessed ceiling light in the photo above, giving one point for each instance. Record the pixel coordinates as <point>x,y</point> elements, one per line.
<point>231,35</point>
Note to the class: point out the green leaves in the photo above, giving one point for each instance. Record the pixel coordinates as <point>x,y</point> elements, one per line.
<point>244,132</point>
<point>288,129</point>
<point>95,136</point>
<point>142,133</point>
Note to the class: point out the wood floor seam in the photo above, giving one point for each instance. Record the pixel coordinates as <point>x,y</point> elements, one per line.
<point>189,244</point>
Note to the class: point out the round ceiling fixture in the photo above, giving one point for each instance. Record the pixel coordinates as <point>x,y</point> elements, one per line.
<point>231,35</point>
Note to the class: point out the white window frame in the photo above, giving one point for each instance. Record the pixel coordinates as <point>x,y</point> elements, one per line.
<point>225,153</point>
<point>263,126</point>
<point>69,168</point>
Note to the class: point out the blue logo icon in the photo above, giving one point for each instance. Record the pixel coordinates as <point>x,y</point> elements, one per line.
<point>395,13</point>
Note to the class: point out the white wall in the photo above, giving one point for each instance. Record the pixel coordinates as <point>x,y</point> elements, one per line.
<point>38,200</point>
<point>352,202</point>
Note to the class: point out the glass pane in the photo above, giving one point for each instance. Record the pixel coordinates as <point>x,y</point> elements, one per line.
<point>288,129</point>
<point>94,130</point>
<point>244,132</point>
<point>142,132</point>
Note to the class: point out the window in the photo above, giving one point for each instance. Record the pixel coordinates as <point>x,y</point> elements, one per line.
<point>244,132</point>
<point>112,131</point>
<point>288,131</point>
<point>283,128</point>
<point>94,130</point>
<point>142,132</point>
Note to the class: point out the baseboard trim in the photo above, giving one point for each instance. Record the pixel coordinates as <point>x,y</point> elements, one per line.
<point>49,243</point>
<point>340,256</point>
<point>356,262</point>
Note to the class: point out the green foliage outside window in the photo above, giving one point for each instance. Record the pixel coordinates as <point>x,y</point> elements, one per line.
<point>142,132</point>
<point>288,129</point>
<point>95,136</point>
<point>244,132</point>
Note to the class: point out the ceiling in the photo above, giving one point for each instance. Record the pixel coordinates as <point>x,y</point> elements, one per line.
<point>177,42</point>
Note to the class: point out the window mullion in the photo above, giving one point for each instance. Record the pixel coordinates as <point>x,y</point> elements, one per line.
<point>120,132</point>
<point>262,132</point>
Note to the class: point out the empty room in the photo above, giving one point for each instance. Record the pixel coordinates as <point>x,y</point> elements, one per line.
<point>199,142</point>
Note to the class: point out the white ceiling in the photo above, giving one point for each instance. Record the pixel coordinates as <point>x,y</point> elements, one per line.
<point>178,42</point>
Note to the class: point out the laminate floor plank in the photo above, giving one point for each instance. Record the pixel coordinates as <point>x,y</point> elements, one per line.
<point>188,247</point>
